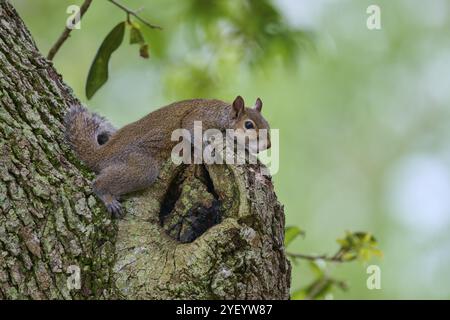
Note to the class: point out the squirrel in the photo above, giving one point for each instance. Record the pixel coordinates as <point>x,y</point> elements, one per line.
<point>129,159</point>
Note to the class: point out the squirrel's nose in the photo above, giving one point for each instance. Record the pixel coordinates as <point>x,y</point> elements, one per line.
<point>268,144</point>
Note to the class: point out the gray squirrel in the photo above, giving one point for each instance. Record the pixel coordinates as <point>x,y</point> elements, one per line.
<point>129,159</point>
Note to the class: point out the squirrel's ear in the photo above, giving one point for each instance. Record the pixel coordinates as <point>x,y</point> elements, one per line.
<point>258,105</point>
<point>238,106</point>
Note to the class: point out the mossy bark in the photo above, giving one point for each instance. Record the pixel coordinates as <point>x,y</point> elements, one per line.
<point>200,232</point>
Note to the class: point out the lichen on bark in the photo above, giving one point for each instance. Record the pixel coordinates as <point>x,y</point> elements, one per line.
<point>200,232</point>
<point>49,219</point>
<point>241,256</point>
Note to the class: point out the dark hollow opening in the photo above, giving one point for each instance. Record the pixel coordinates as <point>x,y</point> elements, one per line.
<point>191,206</point>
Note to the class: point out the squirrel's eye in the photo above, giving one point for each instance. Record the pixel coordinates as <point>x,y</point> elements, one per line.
<point>249,125</point>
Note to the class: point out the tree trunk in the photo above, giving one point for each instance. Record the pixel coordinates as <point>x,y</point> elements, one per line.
<point>200,232</point>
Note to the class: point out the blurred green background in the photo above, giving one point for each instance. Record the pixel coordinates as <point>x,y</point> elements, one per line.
<point>364,115</point>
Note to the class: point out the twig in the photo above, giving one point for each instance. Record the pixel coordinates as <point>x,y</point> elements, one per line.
<point>134,14</point>
<point>336,258</point>
<point>66,33</point>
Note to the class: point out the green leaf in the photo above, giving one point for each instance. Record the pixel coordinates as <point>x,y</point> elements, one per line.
<point>98,73</point>
<point>349,256</point>
<point>298,294</point>
<point>136,35</point>
<point>343,242</point>
<point>318,289</point>
<point>359,245</point>
<point>291,233</point>
<point>318,268</point>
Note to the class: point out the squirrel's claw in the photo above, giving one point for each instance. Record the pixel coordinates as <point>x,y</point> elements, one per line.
<point>115,209</point>
<point>112,205</point>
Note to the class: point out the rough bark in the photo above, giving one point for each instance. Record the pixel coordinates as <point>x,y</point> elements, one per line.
<point>200,232</point>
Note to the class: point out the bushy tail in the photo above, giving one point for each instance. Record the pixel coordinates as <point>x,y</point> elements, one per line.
<point>86,132</point>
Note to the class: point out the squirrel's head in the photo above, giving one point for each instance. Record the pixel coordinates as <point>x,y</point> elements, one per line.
<point>247,125</point>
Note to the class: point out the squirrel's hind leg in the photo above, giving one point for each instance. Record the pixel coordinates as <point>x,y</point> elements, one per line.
<point>119,179</point>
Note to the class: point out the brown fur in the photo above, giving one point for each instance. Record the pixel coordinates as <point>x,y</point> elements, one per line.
<point>131,157</point>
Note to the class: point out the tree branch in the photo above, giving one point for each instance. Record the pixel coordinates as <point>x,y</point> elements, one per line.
<point>66,33</point>
<point>134,14</point>
<point>336,258</point>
